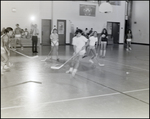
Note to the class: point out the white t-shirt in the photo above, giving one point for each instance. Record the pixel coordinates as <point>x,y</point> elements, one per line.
<point>35,31</point>
<point>79,42</point>
<point>93,40</point>
<point>54,39</point>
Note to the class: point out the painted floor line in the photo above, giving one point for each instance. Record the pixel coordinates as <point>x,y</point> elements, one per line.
<point>136,90</point>
<point>4,108</point>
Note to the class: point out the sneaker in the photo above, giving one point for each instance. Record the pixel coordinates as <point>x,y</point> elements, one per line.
<point>127,49</point>
<point>91,61</point>
<point>84,56</point>
<point>130,49</point>
<point>6,67</point>
<point>74,72</point>
<point>101,64</point>
<point>69,71</point>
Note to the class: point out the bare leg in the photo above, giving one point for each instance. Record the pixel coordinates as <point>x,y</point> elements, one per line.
<point>78,58</point>
<point>57,53</point>
<point>94,53</point>
<point>101,49</point>
<point>104,49</point>
<point>127,45</point>
<point>6,59</point>
<point>72,63</point>
<point>15,41</point>
<point>20,43</point>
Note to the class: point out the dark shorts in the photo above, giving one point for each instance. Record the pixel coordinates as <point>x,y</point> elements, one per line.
<point>104,39</point>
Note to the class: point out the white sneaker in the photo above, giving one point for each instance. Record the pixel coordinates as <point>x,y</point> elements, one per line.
<point>101,64</point>
<point>74,72</point>
<point>69,71</point>
<point>6,67</point>
<point>91,61</point>
<point>130,49</point>
<point>127,49</point>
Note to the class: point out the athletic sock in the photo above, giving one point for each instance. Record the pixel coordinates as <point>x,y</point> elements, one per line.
<point>70,70</point>
<point>91,61</point>
<point>101,64</point>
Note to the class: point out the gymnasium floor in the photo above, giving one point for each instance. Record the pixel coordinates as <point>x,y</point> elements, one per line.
<point>119,89</point>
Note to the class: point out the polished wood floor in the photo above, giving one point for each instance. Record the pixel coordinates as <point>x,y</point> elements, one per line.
<point>119,89</point>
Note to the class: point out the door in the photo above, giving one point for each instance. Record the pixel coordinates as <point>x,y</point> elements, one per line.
<point>115,32</point>
<point>46,31</point>
<point>61,26</point>
<point>109,31</point>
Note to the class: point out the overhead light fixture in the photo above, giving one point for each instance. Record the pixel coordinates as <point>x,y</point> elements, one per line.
<point>13,9</point>
<point>32,18</point>
<point>105,7</point>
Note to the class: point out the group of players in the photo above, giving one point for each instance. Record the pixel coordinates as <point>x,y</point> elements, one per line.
<point>82,46</point>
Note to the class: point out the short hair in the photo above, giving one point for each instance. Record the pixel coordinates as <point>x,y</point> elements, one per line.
<point>17,24</point>
<point>54,30</point>
<point>78,31</point>
<point>7,30</point>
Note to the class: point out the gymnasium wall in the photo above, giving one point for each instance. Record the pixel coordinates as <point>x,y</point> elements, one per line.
<point>140,15</point>
<point>24,11</point>
<point>67,10</point>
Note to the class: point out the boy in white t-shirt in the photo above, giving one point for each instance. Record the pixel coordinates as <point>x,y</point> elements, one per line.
<point>92,42</point>
<point>79,43</point>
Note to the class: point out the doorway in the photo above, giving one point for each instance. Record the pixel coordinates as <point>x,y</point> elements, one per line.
<point>46,31</point>
<point>114,30</point>
<point>61,26</point>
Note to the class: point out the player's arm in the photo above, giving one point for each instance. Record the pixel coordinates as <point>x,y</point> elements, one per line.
<point>87,41</point>
<point>6,40</point>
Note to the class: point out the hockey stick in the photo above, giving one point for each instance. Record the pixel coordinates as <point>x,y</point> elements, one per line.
<point>49,53</point>
<point>60,66</point>
<point>25,55</point>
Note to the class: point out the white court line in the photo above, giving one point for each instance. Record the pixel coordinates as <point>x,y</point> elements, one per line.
<point>128,65</point>
<point>64,100</point>
<point>74,99</point>
<point>136,90</point>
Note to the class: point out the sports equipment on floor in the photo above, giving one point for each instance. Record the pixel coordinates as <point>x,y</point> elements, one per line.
<point>31,57</point>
